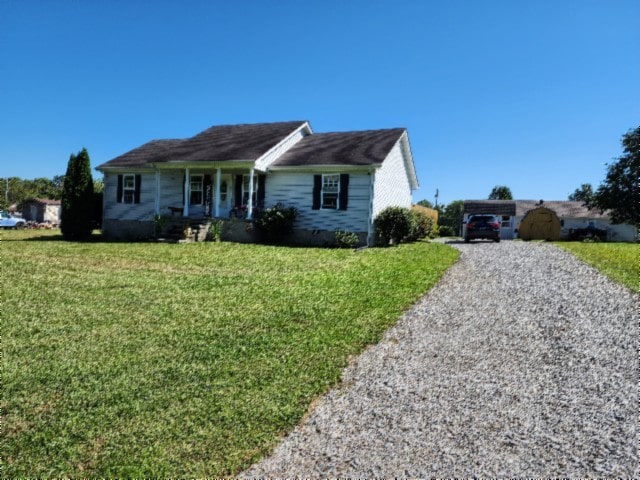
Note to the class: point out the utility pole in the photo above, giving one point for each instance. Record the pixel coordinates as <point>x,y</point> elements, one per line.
<point>437,195</point>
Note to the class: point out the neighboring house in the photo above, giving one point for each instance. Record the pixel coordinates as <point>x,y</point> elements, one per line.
<point>505,210</point>
<point>42,210</point>
<point>572,216</point>
<point>336,180</point>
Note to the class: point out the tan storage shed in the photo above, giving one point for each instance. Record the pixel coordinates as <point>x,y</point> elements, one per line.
<point>540,224</point>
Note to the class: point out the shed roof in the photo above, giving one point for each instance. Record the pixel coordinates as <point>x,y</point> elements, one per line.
<point>361,148</point>
<point>44,201</point>
<point>216,144</point>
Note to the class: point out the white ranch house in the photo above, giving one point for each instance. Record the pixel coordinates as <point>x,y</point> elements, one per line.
<point>339,180</point>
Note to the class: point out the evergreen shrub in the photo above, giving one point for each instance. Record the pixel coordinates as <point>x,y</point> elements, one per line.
<point>392,225</point>
<point>77,215</point>
<point>420,226</point>
<point>276,223</point>
<point>345,239</point>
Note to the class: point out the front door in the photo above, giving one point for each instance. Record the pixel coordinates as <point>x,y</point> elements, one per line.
<point>225,195</point>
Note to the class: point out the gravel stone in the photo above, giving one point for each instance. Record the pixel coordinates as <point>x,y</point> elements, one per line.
<point>521,362</point>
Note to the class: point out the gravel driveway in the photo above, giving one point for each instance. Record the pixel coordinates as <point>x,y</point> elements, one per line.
<point>521,362</point>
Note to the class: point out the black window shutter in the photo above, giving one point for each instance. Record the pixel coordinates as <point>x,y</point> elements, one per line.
<point>261,192</point>
<point>119,190</point>
<point>317,190</point>
<point>136,194</point>
<point>344,191</point>
<point>184,179</point>
<point>238,191</point>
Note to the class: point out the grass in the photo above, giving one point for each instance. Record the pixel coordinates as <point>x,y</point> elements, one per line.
<point>188,360</point>
<point>619,261</point>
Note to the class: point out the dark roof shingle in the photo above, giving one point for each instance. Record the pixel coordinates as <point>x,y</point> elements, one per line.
<point>367,147</point>
<point>490,207</point>
<point>216,144</point>
<point>563,208</point>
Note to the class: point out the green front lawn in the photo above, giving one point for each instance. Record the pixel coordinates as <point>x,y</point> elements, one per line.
<point>620,261</point>
<point>185,360</point>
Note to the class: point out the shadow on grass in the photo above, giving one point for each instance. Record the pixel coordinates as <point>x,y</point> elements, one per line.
<point>48,236</point>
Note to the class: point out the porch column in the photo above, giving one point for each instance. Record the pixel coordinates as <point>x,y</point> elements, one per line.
<point>250,200</point>
<point>217,200</point>
<point>187,193</point>
<point>157,192</point>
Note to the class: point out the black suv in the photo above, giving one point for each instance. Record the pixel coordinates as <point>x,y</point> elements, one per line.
<point>482,226</point>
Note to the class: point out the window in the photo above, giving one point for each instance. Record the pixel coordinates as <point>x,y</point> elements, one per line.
<point>506,221</point>
<point>195,190</point>
<point>223,191</point>
<point>330,191</point>
<point>245,190</point>
<point>128,188</point>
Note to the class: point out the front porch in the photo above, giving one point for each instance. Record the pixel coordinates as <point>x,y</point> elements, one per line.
<point>205,193</point>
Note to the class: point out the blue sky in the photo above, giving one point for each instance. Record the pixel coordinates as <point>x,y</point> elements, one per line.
<point>535,95</point>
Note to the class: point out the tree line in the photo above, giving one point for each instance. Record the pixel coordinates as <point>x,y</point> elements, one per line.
<point>16,191</point>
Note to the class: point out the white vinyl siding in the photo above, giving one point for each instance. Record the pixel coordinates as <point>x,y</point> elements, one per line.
<point>391,186</point>
<point>144,210</point>
<point>296,189</point>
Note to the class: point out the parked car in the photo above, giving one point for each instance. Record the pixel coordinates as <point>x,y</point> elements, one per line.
<point>482,226</point>
<point>8,221</point>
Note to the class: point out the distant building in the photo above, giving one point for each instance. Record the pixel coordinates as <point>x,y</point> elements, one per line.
<point>572,216</point>
<point>42,210</point>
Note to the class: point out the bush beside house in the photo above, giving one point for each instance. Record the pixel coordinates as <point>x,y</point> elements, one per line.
<point>401,225</point>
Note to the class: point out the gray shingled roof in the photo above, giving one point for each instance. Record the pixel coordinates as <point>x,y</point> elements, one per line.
<point>491,207</point>
<point>563,208</point>
<point>366,147</point>
<point>216,144</point>
<point>45,201</point>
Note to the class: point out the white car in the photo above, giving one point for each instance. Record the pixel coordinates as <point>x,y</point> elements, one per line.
<point>7,221</point>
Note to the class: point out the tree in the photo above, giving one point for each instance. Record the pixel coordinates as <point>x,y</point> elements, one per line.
<point>500,192</point>
<point>425,203</point>
<point>582,194</point>
<point>77,198</point>
<point>13,192</point>
<point>16,191</point>
<point>451,216</point>
<point>98,200</point>
<point>620,192</point>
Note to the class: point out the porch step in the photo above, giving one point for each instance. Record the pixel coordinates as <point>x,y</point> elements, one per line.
<point>174,229</point>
